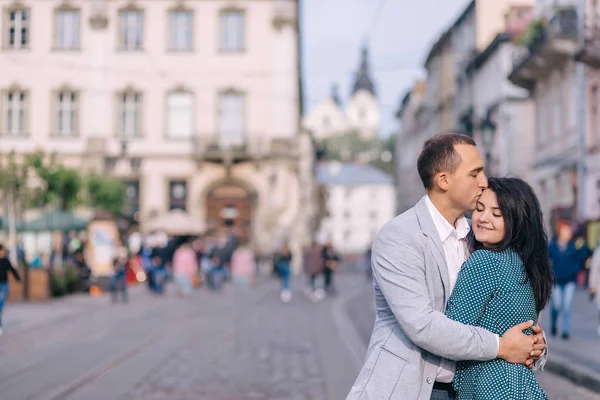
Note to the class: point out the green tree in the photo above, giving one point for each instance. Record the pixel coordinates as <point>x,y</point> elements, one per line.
<point>14,191</point>
<point>105,193</point>
<point>61,186</point>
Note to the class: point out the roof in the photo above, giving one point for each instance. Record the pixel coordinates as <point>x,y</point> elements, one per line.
<point>349,174</point>
<point>482,57</point>
<point>461,18</point>
<point>363,75</point>
<point>438,45</point>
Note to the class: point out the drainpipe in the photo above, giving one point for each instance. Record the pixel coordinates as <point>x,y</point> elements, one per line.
<point>580,75</point>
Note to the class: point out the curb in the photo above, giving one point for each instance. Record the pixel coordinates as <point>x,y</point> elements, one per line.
<point>348,331</point>
<point>580,376</point>
<point>556,364</point>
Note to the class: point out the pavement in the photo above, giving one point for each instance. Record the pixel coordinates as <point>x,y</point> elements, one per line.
<point>232,345</point>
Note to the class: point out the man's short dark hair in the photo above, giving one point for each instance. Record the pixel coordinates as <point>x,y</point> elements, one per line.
<point>439,155</point>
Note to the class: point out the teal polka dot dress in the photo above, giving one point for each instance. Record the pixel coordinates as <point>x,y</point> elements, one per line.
<point>490,293</point>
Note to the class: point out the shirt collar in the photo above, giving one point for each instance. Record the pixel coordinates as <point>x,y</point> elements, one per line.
<point>443,227</point>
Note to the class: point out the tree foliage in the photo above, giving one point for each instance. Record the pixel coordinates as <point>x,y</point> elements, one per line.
<point>351,147</point>
<point>105,193</point>
<point>61,186</point>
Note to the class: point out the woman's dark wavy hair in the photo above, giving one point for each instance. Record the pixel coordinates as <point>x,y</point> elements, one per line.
<point>524,233</point>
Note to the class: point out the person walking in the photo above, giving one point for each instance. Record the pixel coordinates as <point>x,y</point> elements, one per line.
<point>5,267</point>
<point>567,260</point>
<point>594,282</point>
<point>118,282</point>
<point>313,267</point>
<point>332,261</point>
<point>243,266</point>
<point>185,268</point>
<point>283,261</point>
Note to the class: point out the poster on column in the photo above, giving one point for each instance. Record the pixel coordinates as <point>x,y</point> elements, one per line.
<point>102,242</point>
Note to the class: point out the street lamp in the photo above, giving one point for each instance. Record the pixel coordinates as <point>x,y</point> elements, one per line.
<point>488,133</point>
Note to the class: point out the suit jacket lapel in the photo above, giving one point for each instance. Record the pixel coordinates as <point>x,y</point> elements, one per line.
<point>434,243</point>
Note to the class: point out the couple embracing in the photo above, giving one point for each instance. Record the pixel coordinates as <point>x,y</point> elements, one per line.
<point>457,300</point>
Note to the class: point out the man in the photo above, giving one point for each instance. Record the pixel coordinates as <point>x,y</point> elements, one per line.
<point>416,260</point>
<point>5,267</point>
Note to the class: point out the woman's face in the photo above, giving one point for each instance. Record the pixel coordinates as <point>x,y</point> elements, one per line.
<point>488,222</point>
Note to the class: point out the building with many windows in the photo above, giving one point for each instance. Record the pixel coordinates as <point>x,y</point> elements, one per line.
<point>359,200</point>
<point>194,104</point>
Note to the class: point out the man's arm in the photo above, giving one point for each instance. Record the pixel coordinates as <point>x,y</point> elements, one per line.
<point>399,269</point>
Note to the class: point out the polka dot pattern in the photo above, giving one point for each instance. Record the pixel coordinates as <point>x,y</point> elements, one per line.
<point>490,293</point>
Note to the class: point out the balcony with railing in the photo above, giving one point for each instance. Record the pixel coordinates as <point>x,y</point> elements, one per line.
<point>254,149</point>
<point>544,47</point>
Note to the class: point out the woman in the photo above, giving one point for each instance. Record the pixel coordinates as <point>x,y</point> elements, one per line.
<point>283,261</point>
<point>567,259</point>
<point>6,267</point>
<point>185,268</point>
<point>243,266</point>
<point>507,280</point>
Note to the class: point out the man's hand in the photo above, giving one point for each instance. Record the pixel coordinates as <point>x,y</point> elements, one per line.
<point>539,347</point>
<point>516,347</point>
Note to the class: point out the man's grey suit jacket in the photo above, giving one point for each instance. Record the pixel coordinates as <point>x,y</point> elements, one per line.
<point>411,332</point>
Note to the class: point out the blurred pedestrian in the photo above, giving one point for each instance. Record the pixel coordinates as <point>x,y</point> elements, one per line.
<point>331,260</point>
<point>567,257</point>
<point>595,280</point>
<point>243,265</point>
<point>5,267</point>
<point>313,267</point>
<point>185,268</point>
<point>283,260</point>
<point>118,283</point>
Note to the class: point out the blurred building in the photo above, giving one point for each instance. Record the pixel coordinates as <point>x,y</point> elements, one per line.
<point>409,141</point>
<point>545,65</point>
<point>504,113</point>
<point>466,90</point>
<point>360,199</point>
<point>194,104</point>
<point>361,114</point>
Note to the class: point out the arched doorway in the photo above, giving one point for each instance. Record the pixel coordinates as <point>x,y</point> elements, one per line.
<point>230,207</point>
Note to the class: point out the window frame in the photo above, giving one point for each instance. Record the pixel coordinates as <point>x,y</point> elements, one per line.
<point>121,130</point>
<point>24,107</point>
<point>121,31</point>
<point>244,106</point>
<point>75,112</point>
<point>180,90</point>
<point>170,15</point>
<point>77,27</point>
<point>223,14</point>
<point>7,25</point>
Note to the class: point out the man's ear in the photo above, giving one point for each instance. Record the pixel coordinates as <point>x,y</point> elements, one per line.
<point>441,181</point>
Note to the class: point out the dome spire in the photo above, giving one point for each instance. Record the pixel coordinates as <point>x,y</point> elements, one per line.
<point>363,76</point>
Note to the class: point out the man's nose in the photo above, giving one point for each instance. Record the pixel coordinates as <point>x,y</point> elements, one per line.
<point>483,182</point>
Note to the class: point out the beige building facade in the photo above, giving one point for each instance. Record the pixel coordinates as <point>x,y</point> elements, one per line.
<point>194,104</point>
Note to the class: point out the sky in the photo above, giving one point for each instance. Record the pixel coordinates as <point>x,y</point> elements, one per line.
<point>400,34</point>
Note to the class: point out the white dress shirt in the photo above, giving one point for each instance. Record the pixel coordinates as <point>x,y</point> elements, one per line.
<point>456,252</point>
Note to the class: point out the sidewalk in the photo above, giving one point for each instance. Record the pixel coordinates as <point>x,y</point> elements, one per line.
<point>579,357</point>
<point>24,316</point>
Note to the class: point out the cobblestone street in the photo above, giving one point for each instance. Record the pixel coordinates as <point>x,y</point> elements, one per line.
<point>216,346</point>
<point>230,345</point>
